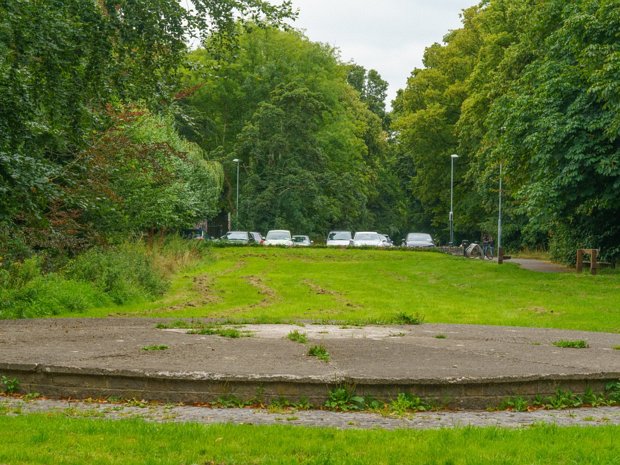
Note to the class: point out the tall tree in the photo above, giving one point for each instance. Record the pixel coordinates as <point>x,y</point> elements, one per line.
<point>62,63</point>
<point>534,87</point>
<point>308,144</point>
<point>425,116</point>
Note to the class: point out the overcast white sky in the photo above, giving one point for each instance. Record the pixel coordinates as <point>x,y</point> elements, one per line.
<point>387,35</point>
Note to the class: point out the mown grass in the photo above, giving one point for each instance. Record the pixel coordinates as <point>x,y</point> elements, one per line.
<point>53,439</point>
<point>367,286</point>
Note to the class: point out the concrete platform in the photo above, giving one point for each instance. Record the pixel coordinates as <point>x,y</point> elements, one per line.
<point>466,366</point>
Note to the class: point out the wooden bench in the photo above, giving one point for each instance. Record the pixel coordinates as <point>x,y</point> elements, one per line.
<point>594,263</point>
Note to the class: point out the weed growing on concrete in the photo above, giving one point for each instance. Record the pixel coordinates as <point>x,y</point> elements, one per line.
<point>404,318</point>
<point>579,344</point>
<point>140,403</point>
<point>612,392</point>
<point>407,403</point>
<point>231,333</point>
<point>230,401</point>
<point>31,396</point>
<point>345,400</point>
<point>616,347</point>
<point>9,385</point>
<point>197,327</point>
<point>155,348</point>
<point>441,336</point>
<point>566,399</point>
<point>517,404</point>
<point>179,324</point>
<point>319,352</point>
<point>296,336</point>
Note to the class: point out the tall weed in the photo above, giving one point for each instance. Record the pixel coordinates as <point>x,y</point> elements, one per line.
<point>125,273</point>
<point>130,272</point>
<point>49,295</point>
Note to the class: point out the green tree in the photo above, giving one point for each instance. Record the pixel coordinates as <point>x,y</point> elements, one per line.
<point>63,63</point>
<point>425,118</point>
<point>309,146</point>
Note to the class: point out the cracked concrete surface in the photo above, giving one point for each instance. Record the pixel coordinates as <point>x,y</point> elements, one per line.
<point>394,356</point>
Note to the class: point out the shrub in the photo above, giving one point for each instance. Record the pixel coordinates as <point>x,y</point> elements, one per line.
<point>125,273</point>
<point>130,272</point>
<point>49,295</point>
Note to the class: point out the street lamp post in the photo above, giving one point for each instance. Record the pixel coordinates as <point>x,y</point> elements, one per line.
<point>452,157</point>
<point>237,161</point>
<point>500,253</point>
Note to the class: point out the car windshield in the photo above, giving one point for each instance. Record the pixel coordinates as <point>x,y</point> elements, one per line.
<point>237,235</point>
<point>299,238</point>
<point>367,237</point>
<point>278,236</point>
<point>419,237</point>
<point>339,236</point>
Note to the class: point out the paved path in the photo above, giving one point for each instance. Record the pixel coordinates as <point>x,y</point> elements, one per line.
<point>541,266</point>
<point>314,418</point>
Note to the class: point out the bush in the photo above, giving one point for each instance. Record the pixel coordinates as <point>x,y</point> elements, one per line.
<point>49,295</point>
<point>125,273</point>
<point>131,272</point>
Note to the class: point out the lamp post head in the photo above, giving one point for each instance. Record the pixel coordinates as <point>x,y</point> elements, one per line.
<point>236,160</point>
<point>454,155</point>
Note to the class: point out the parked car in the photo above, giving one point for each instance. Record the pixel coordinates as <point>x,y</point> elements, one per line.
<point>239,237</point>
<point>418,240</point>
<point>279,237</point>
<point>339,239</point>
<point>258,238</point>
<point>369,239</point>
<point>387,240</point>
<point>301,241</point>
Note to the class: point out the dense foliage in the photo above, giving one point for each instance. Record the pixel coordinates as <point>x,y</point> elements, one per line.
<point>101,277</point>
<point>311,146</point>
<point>99,100</point>
<point>532,85</point>
<point>63,64</point>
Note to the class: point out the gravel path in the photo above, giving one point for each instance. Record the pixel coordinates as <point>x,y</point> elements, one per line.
<point>312,418</point>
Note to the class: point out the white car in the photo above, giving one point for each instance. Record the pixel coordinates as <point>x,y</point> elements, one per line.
<point>418,240</point>
<point>369,239</point>
<point>279,237</point>
<point>339,239</point>
<point>302,241</point>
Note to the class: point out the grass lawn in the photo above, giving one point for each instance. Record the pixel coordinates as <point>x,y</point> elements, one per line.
<point>374,286</point>
<point>53,439</point>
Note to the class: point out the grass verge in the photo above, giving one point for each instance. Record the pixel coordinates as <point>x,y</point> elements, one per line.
<point>53,439</point>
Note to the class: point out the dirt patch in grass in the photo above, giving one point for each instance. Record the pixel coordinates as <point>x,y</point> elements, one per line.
<point>543,311</point>
<point>270,295</point>
<point>317,289</point>
<point>259,284</point>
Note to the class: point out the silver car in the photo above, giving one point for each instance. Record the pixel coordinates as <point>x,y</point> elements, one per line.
<point>339,239</point>
<point>418,240</point>
<point>238,237</point>
<point>369,239</point>
<point>302,241</point>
